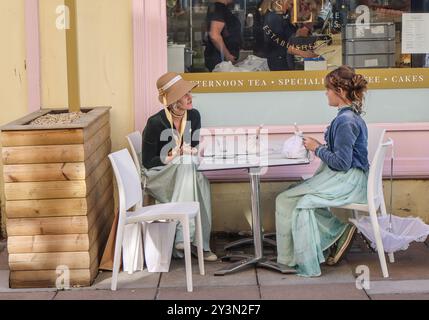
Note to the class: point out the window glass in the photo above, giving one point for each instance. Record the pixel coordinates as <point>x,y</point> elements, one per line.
<point>277,35</point>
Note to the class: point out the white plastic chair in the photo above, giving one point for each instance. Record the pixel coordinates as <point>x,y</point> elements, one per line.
<point>130,196</point>
<point>375,198</point>
<point>135,140</point>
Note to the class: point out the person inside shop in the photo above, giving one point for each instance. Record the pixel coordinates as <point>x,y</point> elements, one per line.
<point>278,30</point>
<point>170,144</point>
<point>308,234</point>
<point>223,36</point>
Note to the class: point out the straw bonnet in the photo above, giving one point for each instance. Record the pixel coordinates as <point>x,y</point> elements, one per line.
<point>171,87</point>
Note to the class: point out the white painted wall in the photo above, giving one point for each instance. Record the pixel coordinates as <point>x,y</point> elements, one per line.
<point>307,107</point>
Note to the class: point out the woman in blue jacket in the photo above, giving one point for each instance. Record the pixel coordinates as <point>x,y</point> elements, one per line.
<point>308,234</point>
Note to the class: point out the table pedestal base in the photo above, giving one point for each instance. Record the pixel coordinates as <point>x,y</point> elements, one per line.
<point>248,241</point>
<point>248,261</point>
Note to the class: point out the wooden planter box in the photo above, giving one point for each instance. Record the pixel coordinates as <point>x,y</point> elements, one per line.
<point>59,197</point>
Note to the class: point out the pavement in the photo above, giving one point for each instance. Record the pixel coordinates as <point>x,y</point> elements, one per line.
<point>409,279</point>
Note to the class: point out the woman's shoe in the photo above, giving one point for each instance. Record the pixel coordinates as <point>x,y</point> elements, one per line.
<point>209,256</point>
<point>180,246</point>
<point>342,245</point>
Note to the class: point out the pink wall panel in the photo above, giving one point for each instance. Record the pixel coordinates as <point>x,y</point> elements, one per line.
<point>411,158</point>
<point>150,56</point>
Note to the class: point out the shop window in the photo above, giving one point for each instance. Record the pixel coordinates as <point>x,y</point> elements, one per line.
<point>255,35</point>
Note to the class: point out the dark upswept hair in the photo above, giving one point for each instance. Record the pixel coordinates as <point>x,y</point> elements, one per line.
<point>353,84</point>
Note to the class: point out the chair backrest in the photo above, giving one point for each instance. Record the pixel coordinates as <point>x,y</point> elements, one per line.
<point>135,142</point>
<point>375,176</point>
<point>127,179</point>
<point>375,138</point>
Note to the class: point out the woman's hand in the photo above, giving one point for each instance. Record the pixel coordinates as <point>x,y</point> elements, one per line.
<point>188,150</point>
<point>301,53</point>
<point>309,54</point>
<point>177,151</point>
<point>311,143</point>
<point>230,57</point>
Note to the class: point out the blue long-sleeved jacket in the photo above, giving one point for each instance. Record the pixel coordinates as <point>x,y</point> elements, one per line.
<point>347,142</point>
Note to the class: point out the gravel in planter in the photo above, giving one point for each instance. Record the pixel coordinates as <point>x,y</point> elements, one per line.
<point>57,118</point>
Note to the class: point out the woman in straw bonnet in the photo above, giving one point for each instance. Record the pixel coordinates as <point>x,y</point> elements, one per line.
<point>170,142</point>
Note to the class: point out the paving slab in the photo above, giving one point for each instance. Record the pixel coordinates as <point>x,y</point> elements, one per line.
<point>340,273</point>
<point>177,277</point>
<point>411,264</point>
<point>336,291</point>
<point>210,293</point>
<point>137,294</point>
<point>398,287</point>
<point>409,296</point>
<point>27,296</point>
<point>137,280</point>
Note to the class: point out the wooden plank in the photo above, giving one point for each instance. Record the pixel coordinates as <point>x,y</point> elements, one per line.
<point>46,208</point>
<point>44,172</point>
<point>103,222</point>
<point>100,188</point>
<point>45,190</point>
<point>57,171</point>
<point>42,137</point>
<point>48,261</point>
<point>22,122</point>
<point>59,207</point>
<point>103,202</point>
<point>48,243</point>
<point>97,174</point>
<point>97,248</point>
<point>94,270</point>
<point>47,226</point>
<point>92,129</point>
<point>48,278</point>
<point>65,242</point>
<point>43,154</point>
<point>61,225</point>
<point>96,141</point>
<point>94,160</point>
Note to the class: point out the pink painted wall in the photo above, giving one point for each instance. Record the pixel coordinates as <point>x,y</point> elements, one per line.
<point>411,160</point>
<point>150,56</point>
<point>33,54</point>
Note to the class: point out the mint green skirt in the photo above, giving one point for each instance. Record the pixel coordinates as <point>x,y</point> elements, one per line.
<point>177,182</point>
<point>305,226</point>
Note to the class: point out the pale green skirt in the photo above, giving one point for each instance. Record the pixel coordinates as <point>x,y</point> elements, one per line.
<point>305,226</point>
<point>180,181</point>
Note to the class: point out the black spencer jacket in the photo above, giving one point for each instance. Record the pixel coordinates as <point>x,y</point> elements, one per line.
<point>158,124</point>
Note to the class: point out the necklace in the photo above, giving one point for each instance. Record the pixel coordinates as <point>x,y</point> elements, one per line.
<point>175,115</point>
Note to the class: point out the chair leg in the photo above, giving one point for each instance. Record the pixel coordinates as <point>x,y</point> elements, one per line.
<point>379,243</point>
<point>140,253</point>
<point>384,213</point>
<point>117,255</point>
<point>132,243</point>
<point>199,236</point>
<point>356,217</point>
<point>187,245</point>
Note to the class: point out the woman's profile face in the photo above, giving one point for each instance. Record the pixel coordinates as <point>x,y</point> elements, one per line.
<point>333,98</point>
<point>186,101</point>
